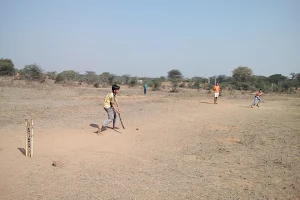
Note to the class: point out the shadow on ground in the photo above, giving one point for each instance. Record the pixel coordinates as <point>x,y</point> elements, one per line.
<point>22,150</point>
<point>205,102</point>
<point>244,106</point>
<point>96,126</point>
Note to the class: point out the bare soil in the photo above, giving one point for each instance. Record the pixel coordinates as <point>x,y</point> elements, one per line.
<point>175,145</point>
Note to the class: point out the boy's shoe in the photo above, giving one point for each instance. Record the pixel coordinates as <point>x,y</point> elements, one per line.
<point>116,128</point>
<point>251,106</point>
<point>257,105</point>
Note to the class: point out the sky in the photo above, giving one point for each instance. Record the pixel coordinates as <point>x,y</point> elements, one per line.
<point>150,37</point>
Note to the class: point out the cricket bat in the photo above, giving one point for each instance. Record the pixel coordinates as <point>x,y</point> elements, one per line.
<point>121,121</point>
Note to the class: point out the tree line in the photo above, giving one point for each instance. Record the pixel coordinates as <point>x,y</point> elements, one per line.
<point>242,78</point>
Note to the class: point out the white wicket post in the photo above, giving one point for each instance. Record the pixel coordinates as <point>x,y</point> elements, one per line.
<point>29,138</point>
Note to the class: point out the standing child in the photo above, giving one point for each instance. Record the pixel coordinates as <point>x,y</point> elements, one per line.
<point>217,91</point>
<point>145,88</point>
<point>111,109</point>
<point>257,97</point>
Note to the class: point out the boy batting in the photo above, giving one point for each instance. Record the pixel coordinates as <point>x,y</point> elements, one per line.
<point>111,106</point>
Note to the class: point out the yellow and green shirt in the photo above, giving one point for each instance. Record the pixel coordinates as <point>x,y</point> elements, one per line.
<point>110,98</point>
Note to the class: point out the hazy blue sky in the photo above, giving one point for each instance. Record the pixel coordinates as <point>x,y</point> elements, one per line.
<point>149,38</point>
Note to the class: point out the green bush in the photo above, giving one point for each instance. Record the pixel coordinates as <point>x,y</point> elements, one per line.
<point>6,67</point>
<point>69,75</point>
<point>132,82</point>
<point>155,84</point>
<point>196,84</point>
<point>51,75</point>
<point>96,85</point>
<point>59,78</point>
<point>175,77</point>
<point>90,77</point>
<point>32,72</point>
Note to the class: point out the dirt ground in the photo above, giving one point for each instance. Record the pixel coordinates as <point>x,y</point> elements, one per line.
<point>175,146</point>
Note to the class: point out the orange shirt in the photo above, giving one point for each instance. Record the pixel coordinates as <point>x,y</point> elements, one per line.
<point>216,88</point>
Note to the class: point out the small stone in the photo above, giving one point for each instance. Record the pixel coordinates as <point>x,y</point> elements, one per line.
<point>58,163</point>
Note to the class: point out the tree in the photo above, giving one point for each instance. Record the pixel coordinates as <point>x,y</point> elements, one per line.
<point>261,82</point>
<point>32,72</point>
<point>104,77</point>
<point>293,76</point>
<point>294,83</point>
<point>212,80</point>
<point>175,77</point>
<point>126,78</point>
<point>242,73</point>
<point>195,82</point>
<point>69,75</point>
<point>285,85</point>
<point>6,67</point>
<point>156,83</point>
<point>222,78</point>
<point>59,78</point>
<point>277,78</point>
<point>51,75</point>
<point>295,80</point>
<point>90,77</point>
<point>298,76</point>
<point>132,82</point>
<point>162,78</point>
<point>111,79</point>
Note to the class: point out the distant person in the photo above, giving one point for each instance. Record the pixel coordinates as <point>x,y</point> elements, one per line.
<point>257,97</point>
<point>145,88</point>
<point>111,106</point>
<point>217,92</point>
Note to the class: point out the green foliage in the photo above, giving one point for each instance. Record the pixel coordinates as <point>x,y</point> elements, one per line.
<point>285,85</point>
<point>70,75</point>
<point>196,81</point>
<point>51,75</point>
<point>243,86</point>
<point>294,83</point>
<point>91,77</point>
<point>277,78</point>
<point>293,76</point>
<point>182,85</point>
<point>32,72</point>
<point>197,84</point>
<point>126,79</point>
<point>175,77</point>
<point>211,81</point>
<point>162,78</point>
<point>132,82</point>
<point>104,77</point>
<point>298,76</point>
<point>222,78</point>
<point>242,74</point>
<point>7,67</point>
<point>59,78</point>
<point>156,84</point>
<point>111,79</point>
<point>96,85</point>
